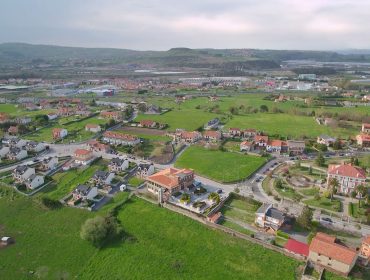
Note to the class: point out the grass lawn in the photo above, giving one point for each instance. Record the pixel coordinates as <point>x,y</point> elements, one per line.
<point>288,192</point>
<point>65,182</point>
<point>279,241</point>
<point>165,245</point>
<point>235,227</point>
<point>220,166</point>
<point>286,125</point>
<point>188,119</point>
<point>309,191</point>
<point>358,212</point>
<point>324,203</point>
<point>135,181</point>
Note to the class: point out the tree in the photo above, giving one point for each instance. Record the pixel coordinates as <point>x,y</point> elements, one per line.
<point>142,107</point>
<point>356,162</point>
<point>99,230</point>
<point>278,183</point>
<point>310,170</point>
<point>320,160</point>
<point>337,145</point>
<point>333,185</point>
<point>305,218</point>
<point>264,108</point>
<point>361,192</point>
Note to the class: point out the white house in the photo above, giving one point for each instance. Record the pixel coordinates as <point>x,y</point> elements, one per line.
<point>84,192</point>
<point>17,154</point>
<point>145,169</point>
<point>118,164</point>
<point>49,163</point>
<point>36,147</point>
<point>22,173</point>
<point>16,142</point>
<point>93,128</point>
<point>102,177</point>
<point>347,175</point>
<point>52,116</point>
<point>4,151</point>
<point>326,140</point>
<point>246,146</point>
<point>34,181</point>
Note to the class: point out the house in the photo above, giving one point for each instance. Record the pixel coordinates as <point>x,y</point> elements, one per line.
<point>326,140</point>
<point>13,130</point>
<point>212,124</point>
<point>36,147</point>
<point>16,153</point>
<point>147,123</point>
<point>363,140</point>
<point>364,255</point>
<point>233,132</point>
<point>250,132</point>
<point>261,140</point>
<point>153,110</point>
<point>4,118</point>
<point>66,111</point>
<point>83,192</point>
<point>325,251</point>
<point>296,147</point>
<point>93,128</point>
<point>52,116</point>
<point>49,163</point>
<point>347,175</point>
<point>16,142</point>
<point>190,137</point>
<point>212,135</point>
<point>215,218</point>
<point>277,146</point>
<point>22,173</point>
<point>246,146</point>
<point>82,156</point>
<point>34,181</point>
<point>144,170</point>
<point>365,128</point>
<point>59,133</point>
<point>297,247</point>
<point>268,217</point>
<point>118,164</point>
<point>23,120</point>
<point>170,180</point>
<point>4,151</point>
<point>117,116</point>
<point>102,177</point>
<point>116,138</point>
<point>96,146</point>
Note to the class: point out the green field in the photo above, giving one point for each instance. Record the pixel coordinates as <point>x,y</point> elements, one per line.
<point>220,166</point>
<point>188,119</point>
<point>159,244</point>
<point>76,130</point>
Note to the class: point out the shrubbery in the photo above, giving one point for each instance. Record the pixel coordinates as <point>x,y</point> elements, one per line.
<point>51,203</point>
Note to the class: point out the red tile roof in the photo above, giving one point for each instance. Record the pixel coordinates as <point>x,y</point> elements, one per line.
<point>169,178</point>
<point>92,125</point>
<point>82,152</point>
<point>147,122</point>
<point>215,217</point>
<point>366,125</point>
<point>297,247</point>
<point>323,244</point>
<point>366,239</point>
<point>246,143</point>
<point>277,143</point>
<point>212,133</point>
<point>347,170</point>
<point>259,138</point>
<point>363,137</point>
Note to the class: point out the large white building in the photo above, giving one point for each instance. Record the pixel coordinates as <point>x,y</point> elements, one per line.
<point>347,175</point>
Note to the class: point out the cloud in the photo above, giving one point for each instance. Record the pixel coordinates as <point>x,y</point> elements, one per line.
<point>162,24</point>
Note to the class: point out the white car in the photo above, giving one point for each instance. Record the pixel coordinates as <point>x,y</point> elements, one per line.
<point>122,187</point>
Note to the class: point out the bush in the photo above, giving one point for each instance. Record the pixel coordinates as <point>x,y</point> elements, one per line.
<point>51,203</point>
<point>99,230</point>
<point>282,234</point>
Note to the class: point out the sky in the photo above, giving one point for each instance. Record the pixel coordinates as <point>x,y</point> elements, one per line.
<point>164,24</point>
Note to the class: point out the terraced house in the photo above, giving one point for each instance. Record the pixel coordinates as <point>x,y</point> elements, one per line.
<point>116,138</point>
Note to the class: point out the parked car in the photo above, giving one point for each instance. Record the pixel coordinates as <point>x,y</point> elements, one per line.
<point>325,219</point>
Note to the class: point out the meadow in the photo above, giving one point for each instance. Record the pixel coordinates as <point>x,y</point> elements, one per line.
<point>221,166</point>
<point>158,244</point>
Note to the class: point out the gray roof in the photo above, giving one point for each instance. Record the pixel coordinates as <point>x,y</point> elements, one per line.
<point>263,208</point>
<point>83,189</point>
<point>20,169</point>
<point>101,174</point>
<point>117,161</point>
<point>145,165</point>
<point>275,213</point>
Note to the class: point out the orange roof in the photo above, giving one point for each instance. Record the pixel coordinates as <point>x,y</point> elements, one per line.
<point>214,217</point>
<point>363,137</point>
<point>366,240</point>
<point>169,178</point>
<point>259,138</point>
<point>147,122</point>
<point>92,125</point>
<point>57,130</point>
<point>190,134</point>
<point>323,244</point>
<point>212,133</point>
<point>235,129</point>
<point>82,152</point>
<point>277,143</point>
<point>366,125</point>
<point>246,143</point>
<point>347,170</point>
<point>122,136</point>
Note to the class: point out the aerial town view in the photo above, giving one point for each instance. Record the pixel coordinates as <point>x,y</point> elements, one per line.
<point>185,140</point>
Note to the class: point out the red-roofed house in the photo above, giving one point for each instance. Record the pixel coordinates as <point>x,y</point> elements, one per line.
<point>93,127</point>
<point>170,180</point>
<point>297,247</point>
<point>246,146</point>
<point>148,123</point>
<point>82,156</point>
<point>348,176</point>
<point>277,146</point>
<point>251,132</point>
<point>59,133</point>
<point>363,140</point>
<point>190,137</point>
<point>211,135</point>
<point>116,138</point>
<point>13,130</point>
<point>365,251</point>
<point>366,128</point>
<point>234,132</point>
<point>261,140</point>
<point>96,146</point>
<point>324,251</point>
<point>117,116</point>
<point>4,117</point>
<point>215,218</point>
